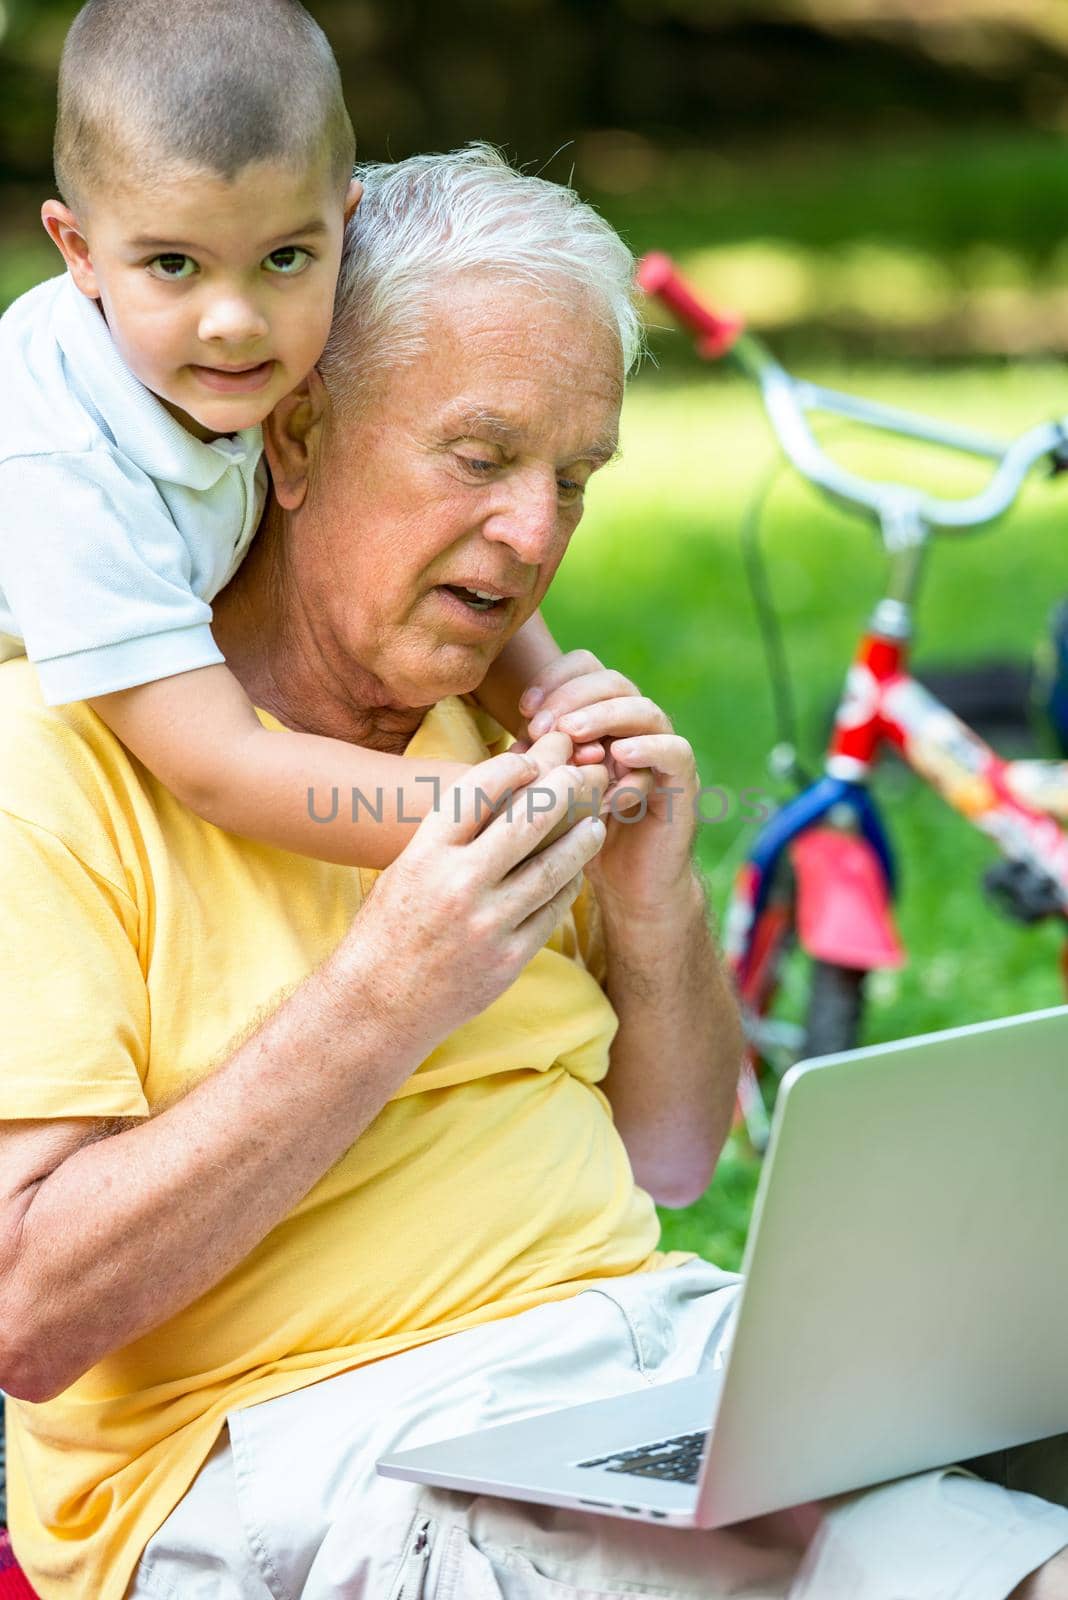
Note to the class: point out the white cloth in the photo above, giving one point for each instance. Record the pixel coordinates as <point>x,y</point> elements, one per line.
<point>288,1505</point>
<point>117,526</point>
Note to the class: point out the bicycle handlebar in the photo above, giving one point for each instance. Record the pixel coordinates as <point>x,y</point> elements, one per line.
<point>904,513</point>
<point>714,334</point>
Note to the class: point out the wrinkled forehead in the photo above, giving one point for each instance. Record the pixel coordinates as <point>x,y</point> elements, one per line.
<point>523,364</point>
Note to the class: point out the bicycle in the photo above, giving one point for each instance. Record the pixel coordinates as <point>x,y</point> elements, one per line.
<point>820,871</point>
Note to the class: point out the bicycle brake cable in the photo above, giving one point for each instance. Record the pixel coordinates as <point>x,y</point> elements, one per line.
<point>784,709</point>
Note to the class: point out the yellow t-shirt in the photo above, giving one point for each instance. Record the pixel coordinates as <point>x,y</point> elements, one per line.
<point>142,945</point>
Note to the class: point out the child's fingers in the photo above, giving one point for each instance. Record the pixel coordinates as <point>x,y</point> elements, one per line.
<point>571,665</point>
<point>616,718</point>
<point>579,694</point>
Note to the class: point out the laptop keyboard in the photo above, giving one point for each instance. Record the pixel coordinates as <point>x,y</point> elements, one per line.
<point>678,1460</point>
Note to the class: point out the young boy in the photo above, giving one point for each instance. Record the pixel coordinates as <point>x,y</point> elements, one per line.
<point>204,155</point>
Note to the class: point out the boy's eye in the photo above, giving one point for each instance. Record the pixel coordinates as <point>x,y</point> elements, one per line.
<point>172,266</point>
<point>289,260</point>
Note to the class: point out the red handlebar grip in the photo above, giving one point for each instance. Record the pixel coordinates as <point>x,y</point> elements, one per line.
<point>714,333</point>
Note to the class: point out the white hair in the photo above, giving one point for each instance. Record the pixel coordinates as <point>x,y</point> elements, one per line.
<point>430,219</point>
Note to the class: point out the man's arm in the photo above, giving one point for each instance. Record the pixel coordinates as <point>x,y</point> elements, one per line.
<point>104,1238</point>
<point>675,1059</point>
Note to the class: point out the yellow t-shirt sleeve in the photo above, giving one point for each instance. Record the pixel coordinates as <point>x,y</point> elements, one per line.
<point>72,994</point>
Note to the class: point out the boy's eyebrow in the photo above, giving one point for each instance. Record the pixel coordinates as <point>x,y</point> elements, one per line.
<point>314,226</point>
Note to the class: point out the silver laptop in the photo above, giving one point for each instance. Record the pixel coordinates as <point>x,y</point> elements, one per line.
<point>905,1302</point>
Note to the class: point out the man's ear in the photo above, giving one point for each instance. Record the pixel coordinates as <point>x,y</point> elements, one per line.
<point>353,197</point>
<point>291,436</point>
<point>65,232</point>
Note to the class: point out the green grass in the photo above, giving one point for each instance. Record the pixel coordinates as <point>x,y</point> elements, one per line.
<point>654,583</point>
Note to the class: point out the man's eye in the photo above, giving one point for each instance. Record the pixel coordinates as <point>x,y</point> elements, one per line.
<point>288,261</point>
<point>569,489</point>
<point>172,266</point>
<point>478,467</point>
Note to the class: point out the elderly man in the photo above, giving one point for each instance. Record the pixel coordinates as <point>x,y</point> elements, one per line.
<point>292,1170</point>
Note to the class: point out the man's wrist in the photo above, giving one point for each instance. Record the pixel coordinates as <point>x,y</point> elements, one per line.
<point>362,994</point>
<point>683,904</point>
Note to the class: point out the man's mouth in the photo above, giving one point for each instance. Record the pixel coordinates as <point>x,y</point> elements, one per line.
<point>477,599</point>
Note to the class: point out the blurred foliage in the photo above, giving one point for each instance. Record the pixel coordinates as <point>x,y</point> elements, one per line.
<point>878,176</point>
<point>943,247</point>
<point>528,72</point>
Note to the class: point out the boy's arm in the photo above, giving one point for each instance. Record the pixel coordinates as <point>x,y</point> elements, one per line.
<point>198,732</point>
<point>522,658</point>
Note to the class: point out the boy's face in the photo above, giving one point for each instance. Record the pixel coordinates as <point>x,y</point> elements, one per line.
<point>218,294</point>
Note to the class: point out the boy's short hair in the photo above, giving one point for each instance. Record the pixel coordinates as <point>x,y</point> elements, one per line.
<point>212,84</point>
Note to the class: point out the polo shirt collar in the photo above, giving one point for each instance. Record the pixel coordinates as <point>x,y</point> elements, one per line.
<point>142,428</point>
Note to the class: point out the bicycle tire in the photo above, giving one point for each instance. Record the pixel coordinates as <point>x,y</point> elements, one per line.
<point>835,1009</point>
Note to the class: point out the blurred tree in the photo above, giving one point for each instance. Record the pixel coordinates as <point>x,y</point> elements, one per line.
<point>890,170</point>
<point>537,73</point>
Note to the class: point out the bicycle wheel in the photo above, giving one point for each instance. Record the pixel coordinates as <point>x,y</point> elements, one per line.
<point>835,1009</point>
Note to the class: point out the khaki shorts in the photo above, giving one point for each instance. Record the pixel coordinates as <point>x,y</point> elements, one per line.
<point>288,1505</point>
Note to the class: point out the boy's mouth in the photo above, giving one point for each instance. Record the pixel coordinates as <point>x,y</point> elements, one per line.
<point>235,380</point>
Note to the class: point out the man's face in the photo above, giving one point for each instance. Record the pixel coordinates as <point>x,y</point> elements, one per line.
<point>441,512</point>
<point>219,293</point>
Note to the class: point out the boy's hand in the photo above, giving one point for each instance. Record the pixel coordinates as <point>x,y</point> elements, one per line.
<point>577,695</point>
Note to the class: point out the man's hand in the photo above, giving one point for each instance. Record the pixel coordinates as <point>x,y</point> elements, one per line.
<point>650,805</point>
<point>478,891</point>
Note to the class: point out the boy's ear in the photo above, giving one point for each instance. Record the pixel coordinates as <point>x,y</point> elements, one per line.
<point>291,436</point>
<point>353,197</point>
<point>65,232</point>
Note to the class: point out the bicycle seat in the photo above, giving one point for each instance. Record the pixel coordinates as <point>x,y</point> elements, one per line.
<point>1042,785</point>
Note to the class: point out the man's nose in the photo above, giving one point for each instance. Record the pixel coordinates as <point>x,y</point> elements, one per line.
<point>232,319</point>
<point>528,521</point>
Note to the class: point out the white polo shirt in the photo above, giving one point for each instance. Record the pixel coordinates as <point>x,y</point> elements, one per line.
<point>117,527</point>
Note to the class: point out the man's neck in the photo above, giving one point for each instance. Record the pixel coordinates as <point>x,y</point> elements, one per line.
<point>288,668</point>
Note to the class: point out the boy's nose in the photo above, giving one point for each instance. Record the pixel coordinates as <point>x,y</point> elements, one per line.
<point>232,319</point>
